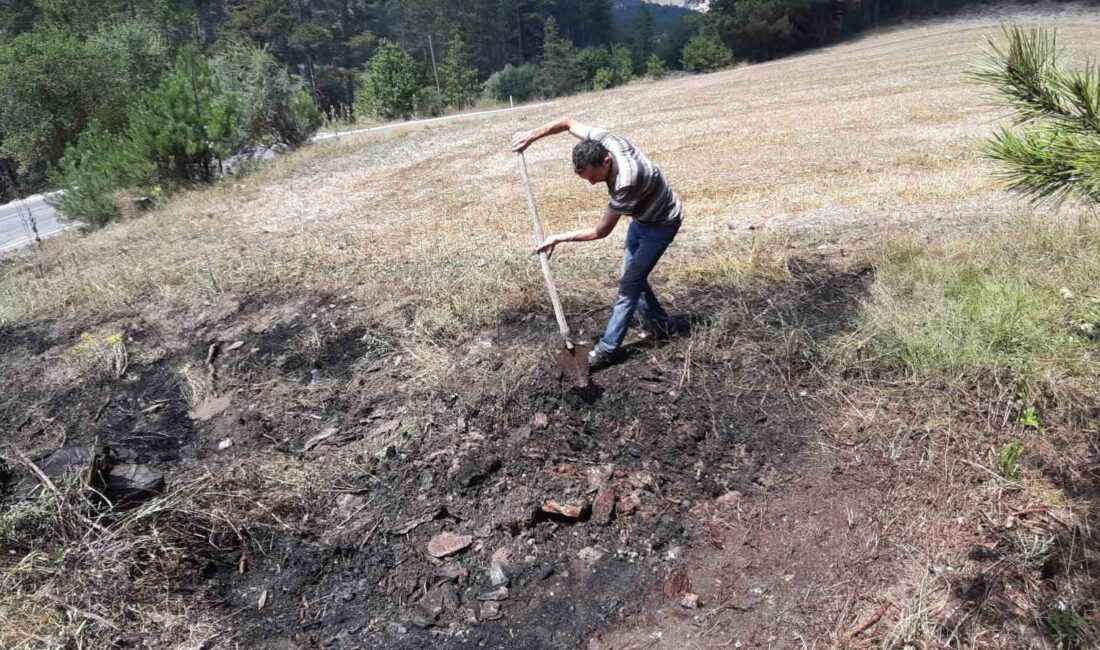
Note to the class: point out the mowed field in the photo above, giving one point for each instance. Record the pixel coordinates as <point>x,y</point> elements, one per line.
<point>342,356</point>
<point>840,147</point>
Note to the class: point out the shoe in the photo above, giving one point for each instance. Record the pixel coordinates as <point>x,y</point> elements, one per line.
<point>657,332</point>
<point>599,358</point>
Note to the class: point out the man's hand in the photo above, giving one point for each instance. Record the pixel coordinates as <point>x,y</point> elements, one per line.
<point>547,246</point>
<point>522,140</point>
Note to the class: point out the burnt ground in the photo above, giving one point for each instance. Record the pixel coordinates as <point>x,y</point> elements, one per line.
<point>713,464</point>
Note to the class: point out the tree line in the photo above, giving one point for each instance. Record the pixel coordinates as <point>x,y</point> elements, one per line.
<point>113,97</point>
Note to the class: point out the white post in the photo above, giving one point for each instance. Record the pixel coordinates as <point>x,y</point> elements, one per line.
<point>511,103</point>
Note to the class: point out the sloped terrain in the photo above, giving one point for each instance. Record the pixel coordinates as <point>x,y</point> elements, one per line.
<point>341,367</point>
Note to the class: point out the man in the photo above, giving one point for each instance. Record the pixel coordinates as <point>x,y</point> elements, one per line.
<point>637,190</point>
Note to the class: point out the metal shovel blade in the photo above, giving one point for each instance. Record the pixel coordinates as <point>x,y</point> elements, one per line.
<point>574,363</point>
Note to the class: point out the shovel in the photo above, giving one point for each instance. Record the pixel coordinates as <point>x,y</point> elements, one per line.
<point>572,358</point>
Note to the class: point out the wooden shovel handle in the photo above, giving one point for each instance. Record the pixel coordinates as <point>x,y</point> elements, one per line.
<point>544,259</point>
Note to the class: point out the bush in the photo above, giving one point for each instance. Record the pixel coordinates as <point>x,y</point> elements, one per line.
<point>273,108</point>
<point>517,82</point>
<point>388,87</point>
<point>605,78</point>
<point>429,102</point>
<point>655,67</point>
<point>705,53</point>
<point>92,173</point>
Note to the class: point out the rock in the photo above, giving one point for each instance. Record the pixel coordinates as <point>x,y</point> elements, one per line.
<point>497,576</point>
<point>540,421</point>
<point>517,512</point>
<point>676,584</point>
<point>446,544</point>
<point>496,594</point>
<point>397,628</point>
<point>690,601</point>
<point>211,407</point>
<point>469,471</point>
<point>452,571</point>
<point>225,444</point>
<point>590,555</point>
<point>319,438</point>
<point>129,483</point>
<point>570,510</point>
<point>236,345</point>
<point>490,611</point>
<point>603,506</point>
<point>729,498</point>
<point>628,504</point>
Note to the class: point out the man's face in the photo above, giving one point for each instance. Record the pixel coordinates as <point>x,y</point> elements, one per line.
<point>597,174</point>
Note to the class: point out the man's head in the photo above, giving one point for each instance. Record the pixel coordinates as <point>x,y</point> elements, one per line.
<point>591,161</point>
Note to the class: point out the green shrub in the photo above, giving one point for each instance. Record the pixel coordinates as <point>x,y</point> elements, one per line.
<point>655,67</point>
<point>272,107</point>
<point>516,82</point>
<point>705,53</point>
<point>605,78</point>
<point>429,102</point>
<point>94,170</point>
<point>388,87</point>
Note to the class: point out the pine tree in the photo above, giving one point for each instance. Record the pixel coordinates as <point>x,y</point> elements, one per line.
<point>460,86</point>
<point>1054,153</point>
<point>558,72</point>
<point>185,124</point>
<point>643,35</point>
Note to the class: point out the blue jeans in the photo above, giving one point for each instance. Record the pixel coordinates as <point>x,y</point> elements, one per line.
<point>645,244</point>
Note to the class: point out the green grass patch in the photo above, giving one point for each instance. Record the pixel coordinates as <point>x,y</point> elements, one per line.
<point>1021,303</point>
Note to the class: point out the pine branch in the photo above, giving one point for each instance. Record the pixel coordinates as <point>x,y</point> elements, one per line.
<point>1048,165</point>
<point>1026,73</point>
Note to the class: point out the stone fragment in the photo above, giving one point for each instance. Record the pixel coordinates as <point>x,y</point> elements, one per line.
<point>590,555</point>
<point>570,510</point>
<point>446,544</point>
<point>603,506</point>
<point>517,512</point>
<point>690,601</point>
<point>225,444</point>
<point>496,594</point>
<point>497,576</point>
<point>490,611</point>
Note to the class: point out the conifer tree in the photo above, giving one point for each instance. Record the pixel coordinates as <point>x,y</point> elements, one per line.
<point>558,72</point>
<point>460,86</point>
<point>1053,153</point>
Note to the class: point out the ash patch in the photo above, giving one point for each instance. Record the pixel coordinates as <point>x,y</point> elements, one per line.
<point>571,506</point>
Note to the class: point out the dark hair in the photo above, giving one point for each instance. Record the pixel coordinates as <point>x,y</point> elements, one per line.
<point>588,153</point>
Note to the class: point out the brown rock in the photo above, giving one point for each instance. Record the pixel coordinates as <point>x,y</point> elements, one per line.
<point>446,544</point>
<point>517,512</point>
<point>729,498</point>
<point>676,584</point>
<point>571,510</point>
<point>603,507</point>
<point>490,611</point>
<point>690,601</point>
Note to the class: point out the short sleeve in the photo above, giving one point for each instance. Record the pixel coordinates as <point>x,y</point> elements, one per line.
<point>623,200</point>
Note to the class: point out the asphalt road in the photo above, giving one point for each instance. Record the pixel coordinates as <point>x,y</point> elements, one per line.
<point>15,228</point>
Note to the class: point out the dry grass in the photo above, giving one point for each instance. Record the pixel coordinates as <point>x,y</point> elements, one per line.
<point>429,227</point>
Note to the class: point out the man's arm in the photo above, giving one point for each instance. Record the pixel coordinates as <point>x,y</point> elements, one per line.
<point>525,139</point>
<point>601,230</point>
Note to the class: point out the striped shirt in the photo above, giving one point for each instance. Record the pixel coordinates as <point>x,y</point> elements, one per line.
<point>637,188</point>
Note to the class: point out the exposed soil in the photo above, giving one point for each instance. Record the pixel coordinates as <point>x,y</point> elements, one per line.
<point>709,468</point>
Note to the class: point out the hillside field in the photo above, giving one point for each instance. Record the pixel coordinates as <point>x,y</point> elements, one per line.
<point>877,428</point>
